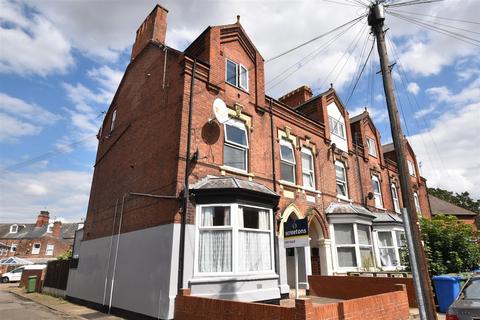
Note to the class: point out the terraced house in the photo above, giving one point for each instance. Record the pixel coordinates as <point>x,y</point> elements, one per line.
<point>180,199</point>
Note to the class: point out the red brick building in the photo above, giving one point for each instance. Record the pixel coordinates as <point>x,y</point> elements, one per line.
<point>270,161</point>
<point>37,242</point>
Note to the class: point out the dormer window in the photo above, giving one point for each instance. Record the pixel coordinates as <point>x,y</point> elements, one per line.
<point>237,75</point>
<point>336,127</point>
<point>13,228</point>
<point>50,228</point>
<point>372,147</point>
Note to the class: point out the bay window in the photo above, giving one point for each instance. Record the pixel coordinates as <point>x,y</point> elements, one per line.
<point>341,177</point>
<point>396,202</point>
<point>235,149</point>
<point>234,239</point>
<point>353,245</point>
<point>389,244</point>
<point>287,161</point>
<point>308,172</point>
<point>377,191</point>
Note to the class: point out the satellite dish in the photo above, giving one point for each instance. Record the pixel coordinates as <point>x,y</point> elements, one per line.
<point>220,110</point>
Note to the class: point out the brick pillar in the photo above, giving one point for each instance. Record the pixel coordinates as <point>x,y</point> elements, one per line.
<point>304,309</point>
<point>57,228</point>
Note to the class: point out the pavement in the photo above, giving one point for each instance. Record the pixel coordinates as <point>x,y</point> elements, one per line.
<point>15,304</point>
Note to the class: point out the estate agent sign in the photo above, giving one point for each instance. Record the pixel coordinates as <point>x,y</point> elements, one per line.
<point>295,233</point>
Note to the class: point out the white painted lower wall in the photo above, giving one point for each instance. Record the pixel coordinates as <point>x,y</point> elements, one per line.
<point>145,279</point>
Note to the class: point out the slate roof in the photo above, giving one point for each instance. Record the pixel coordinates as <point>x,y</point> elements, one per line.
<point>387,217</point>
<point>214,182</point>
<point>440,206</point>
<point>348,208</point>
<point>29,231</point>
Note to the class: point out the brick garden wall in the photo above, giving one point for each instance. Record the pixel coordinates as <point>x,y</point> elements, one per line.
<point>386,306</point>
<point>341,287</point>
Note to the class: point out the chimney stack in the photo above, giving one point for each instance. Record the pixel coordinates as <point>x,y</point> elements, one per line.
<point>56,230</point>
<point>42,219</point>
<point>297,96</point>
<point>154,28</point>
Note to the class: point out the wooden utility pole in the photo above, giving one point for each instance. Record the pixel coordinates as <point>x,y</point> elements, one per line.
<point>418,260</point>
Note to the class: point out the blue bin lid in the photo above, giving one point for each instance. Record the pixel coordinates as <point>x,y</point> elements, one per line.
<point>445,277</point>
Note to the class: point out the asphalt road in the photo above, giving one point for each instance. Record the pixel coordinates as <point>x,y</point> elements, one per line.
<point>13,307</point>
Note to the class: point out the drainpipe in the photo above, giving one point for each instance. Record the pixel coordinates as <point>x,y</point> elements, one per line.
<point>125,195</point>
<point>274,178</point>
<point>359,172</point>
<point>186,191</point>
<point>109,253</point>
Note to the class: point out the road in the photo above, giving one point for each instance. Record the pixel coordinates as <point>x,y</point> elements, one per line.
<point>13,307</point>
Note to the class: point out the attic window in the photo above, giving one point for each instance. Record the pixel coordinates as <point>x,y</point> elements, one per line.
<point>13,228</point>
<point>372,147</point>
<point>237,75</point>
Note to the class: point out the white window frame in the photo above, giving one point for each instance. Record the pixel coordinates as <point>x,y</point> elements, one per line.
<point>13,247</point>
<point>395,200</point>
<point>36,251</point>
<point>396,245</point>
<point>289,145</point>
<point>337,127</point>
<point>114,119</point>
<point>356,245</point>
<point>372,147</point>
<point>377,195</point>
<point>411,168</point>
<point>49,250</point>
<point>235,241</point>
<point>14,228</point>
<point>306,171</point>
<point>239,70</point>
<point>337,180</point>
<point>417,204</point>
<point>240,125</point>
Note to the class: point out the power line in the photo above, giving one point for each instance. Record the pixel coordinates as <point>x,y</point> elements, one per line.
<point>436,17</point>
<point>315,38</point>
<point>411,3</point>
<point>459,37</point>
<point>361,72</point>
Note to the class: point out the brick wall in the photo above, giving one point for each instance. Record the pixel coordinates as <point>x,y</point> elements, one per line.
<point>28,273</point>
<point>344,287</point>
<point>386,306</point>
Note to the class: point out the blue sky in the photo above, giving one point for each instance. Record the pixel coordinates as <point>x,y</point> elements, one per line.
<point>61,62</point>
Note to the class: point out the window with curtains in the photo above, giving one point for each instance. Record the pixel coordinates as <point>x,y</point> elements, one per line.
<point>287,161</point>
<point>341,176</point>
<point>353,245</point>
<point>235,150</point>
<point>308,171</point>
<point>389,244</point>
<point>377,191</point>
<point>396,202</point>
<point>234,239</point>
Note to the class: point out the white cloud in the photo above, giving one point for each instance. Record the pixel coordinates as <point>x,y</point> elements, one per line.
<point>427,52</point>
<point>20,118</point>
<point>449,149</point>
<point>423,112</point>
<point>12,129</point>
<point>63,193</point>
<point>413,88</point>
<point>30,45</point>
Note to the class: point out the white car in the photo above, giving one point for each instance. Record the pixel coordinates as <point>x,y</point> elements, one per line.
<point>16,274</point>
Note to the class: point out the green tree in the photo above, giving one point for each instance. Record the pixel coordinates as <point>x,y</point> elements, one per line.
<point>66,255</point>
<point>451,246</point>
<point>460,199</point>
